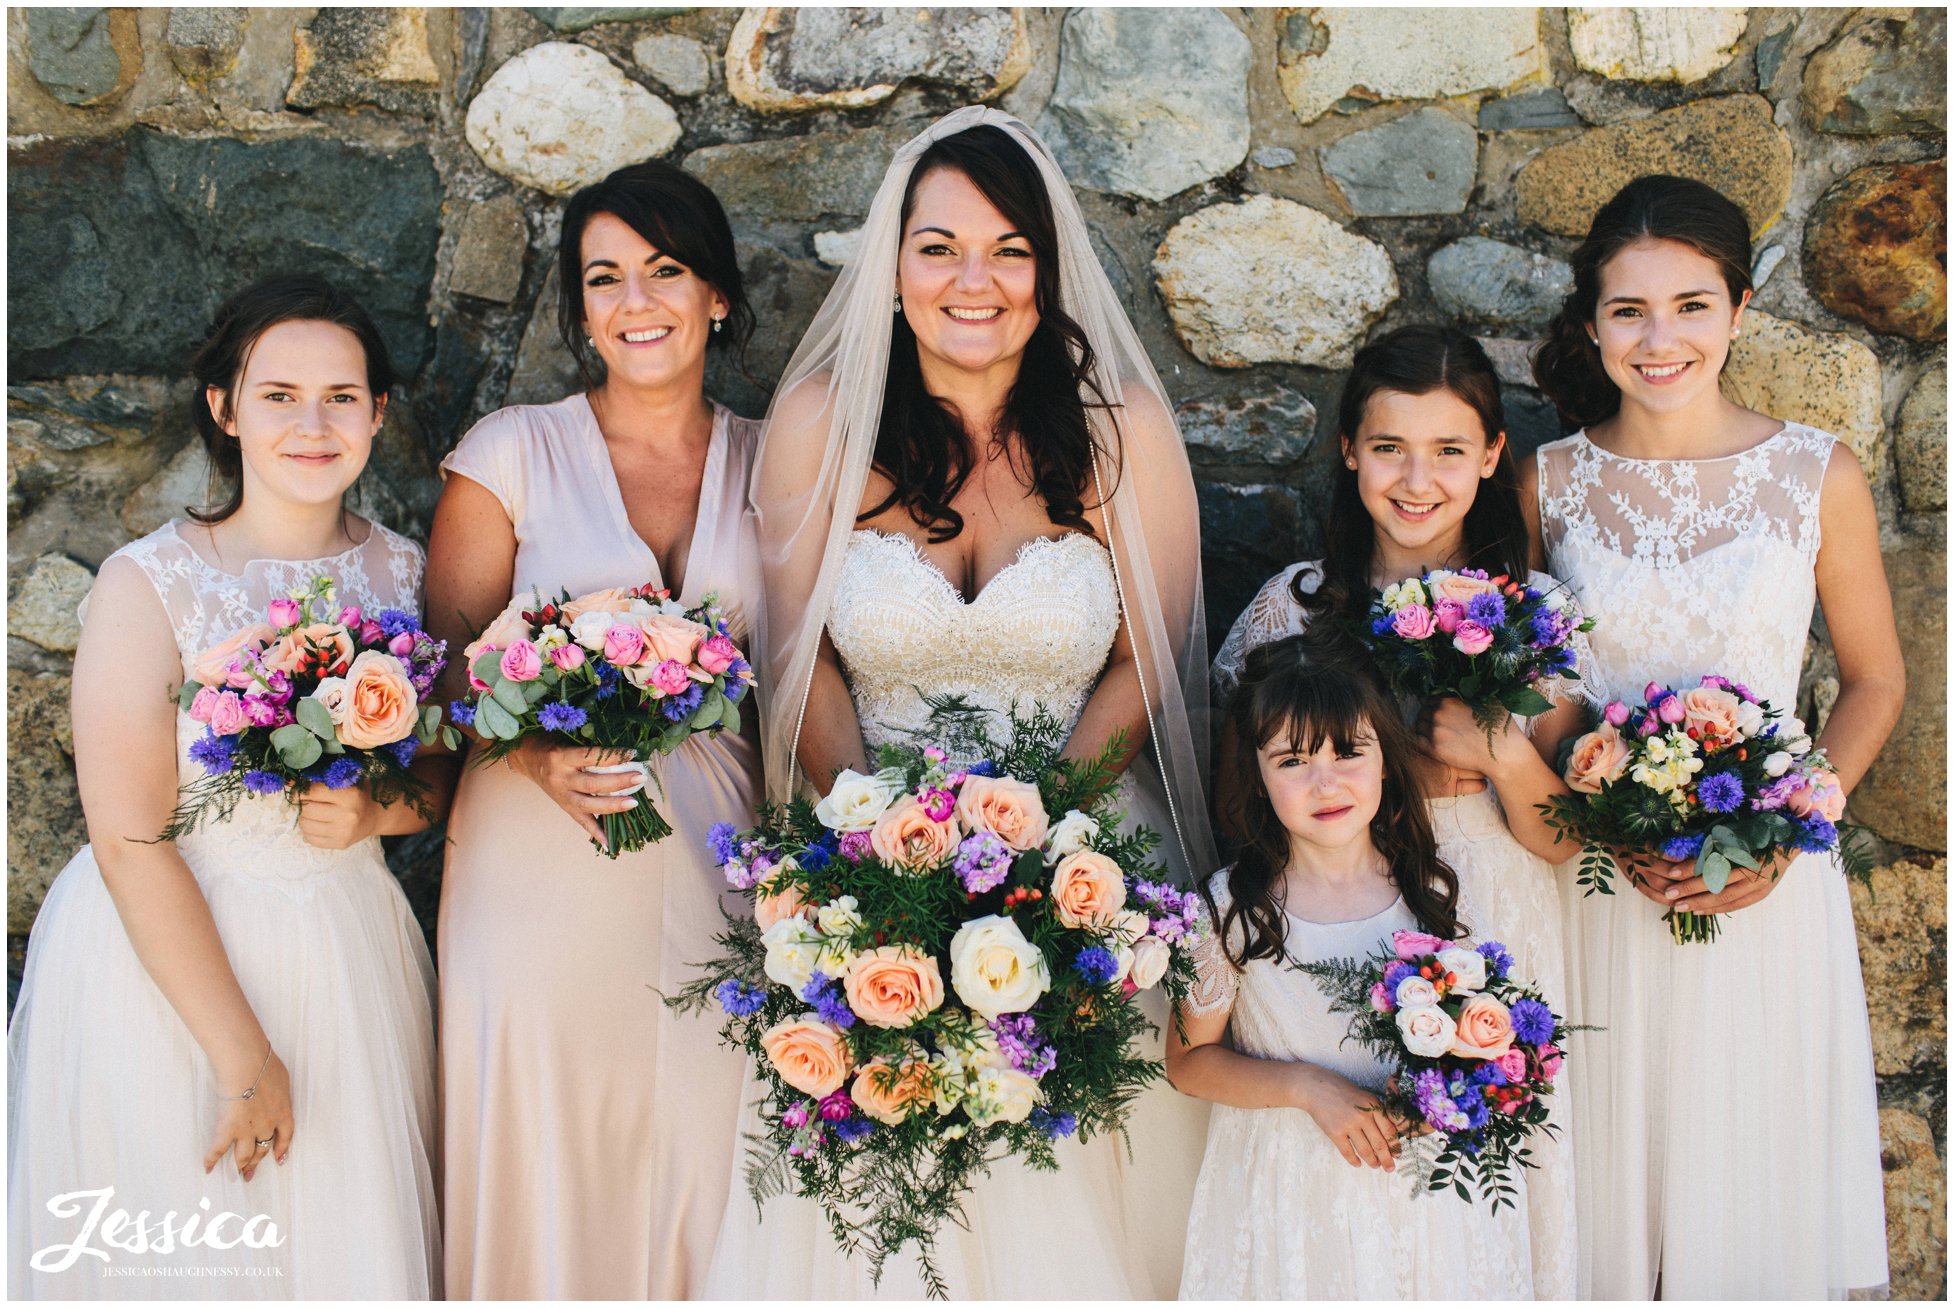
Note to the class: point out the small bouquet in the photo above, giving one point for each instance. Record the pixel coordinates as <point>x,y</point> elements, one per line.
<point>631,670</point>
<point>315,693</point>
<point>1474,1049</point>
<point>939,974</point>
<point>1489,641</point>
<point>1710,774</point>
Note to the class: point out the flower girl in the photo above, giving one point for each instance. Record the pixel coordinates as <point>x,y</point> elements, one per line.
<point>255,991</point>
<point>1300,1194</point>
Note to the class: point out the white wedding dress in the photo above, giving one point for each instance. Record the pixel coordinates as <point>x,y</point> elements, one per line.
<point>106,1087</point>
<point>1506,893</point>
<point>1103,1226</point>
<point>1730,1141</point>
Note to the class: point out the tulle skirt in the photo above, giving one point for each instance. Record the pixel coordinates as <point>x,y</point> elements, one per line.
<point>112,1104</point>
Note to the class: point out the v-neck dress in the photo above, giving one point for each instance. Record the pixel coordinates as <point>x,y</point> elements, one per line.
<point>585,1125</point>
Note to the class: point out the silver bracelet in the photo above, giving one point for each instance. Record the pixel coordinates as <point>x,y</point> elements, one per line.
<point>254,1080</point>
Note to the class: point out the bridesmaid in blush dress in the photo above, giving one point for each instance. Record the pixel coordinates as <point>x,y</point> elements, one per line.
<point>586,1126</point>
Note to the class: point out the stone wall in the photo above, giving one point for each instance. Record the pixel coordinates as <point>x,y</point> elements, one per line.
<point>1266,188</point>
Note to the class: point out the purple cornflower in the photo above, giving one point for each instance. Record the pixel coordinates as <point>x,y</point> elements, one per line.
<point>1383,624</point>
<point>736,679</point>
<point>607,680</point>
<point>719,839</point>
<point>738,998</point>
<point>1498,961</point>
<point>1489,1073</point>
<point>260,782</point>
<point>1489,611</point>
<point>829,1003</point>
<point>1721,792</point>
<point>1055,1125</point>
<point>339,774</point>
<point>851,1129</point>
<point>397,622</point>
<point>815,857</point>
<point>1396,973</point>
<point>214,752</point>
<point>561,717</point>
<point>983,861</point>
<point>461,713</point>
<point>1533,1021</point>
<point>1096,964</point>
<point>983,767</point>
<point>1473,1106</point>
<point>1680,849</point>
<point>404,750</point>
<point>1017,1040</point>
<point>677,708</point>
<point>1815,835</point>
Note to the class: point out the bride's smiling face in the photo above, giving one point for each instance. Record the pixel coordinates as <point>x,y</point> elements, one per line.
<point>967,277</point>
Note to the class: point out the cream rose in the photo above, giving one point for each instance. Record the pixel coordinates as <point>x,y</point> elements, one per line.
<point>908,837</point>
<point>1150,958</point>
<point>212,666</point>
<point>1427,1032</point>
<point>1416,992</point>
<point>589,630</point>
<point>794,948</point>
<point>1467,966</point>
<point>1601,755</point>
<point>886,1091</point>
<point>610,600</point>
<point>894,986</point>
<point>1087,889</point>
<point>994,969</point>
<point>856,802</point>
<point>1073,832</point>
<point>1484,1029</point>
<point>808,1054</point>
<point>1010,810</point>
<point>380,703</point>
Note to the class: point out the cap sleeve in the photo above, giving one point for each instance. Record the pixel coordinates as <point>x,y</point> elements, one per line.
<point>491,455</point>
<point>1216,978</point>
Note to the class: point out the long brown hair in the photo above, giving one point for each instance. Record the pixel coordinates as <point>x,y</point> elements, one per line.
<point>1315,687</point>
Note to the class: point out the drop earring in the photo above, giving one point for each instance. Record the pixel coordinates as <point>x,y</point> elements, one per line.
<point>717,323</point>
<point>898,301</point>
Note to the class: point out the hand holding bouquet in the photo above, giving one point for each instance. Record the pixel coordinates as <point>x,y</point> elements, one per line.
<point>315,693</point>
<point>1474,1047</point>
<point>631,671</point>
<point>940,971</point>
<point>1710,774</point>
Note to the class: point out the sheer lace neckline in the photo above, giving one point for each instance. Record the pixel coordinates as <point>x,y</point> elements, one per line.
<point>1397,901</point>
<point>1777,435</point>
<point>373,529</point>
<point>943,579</point>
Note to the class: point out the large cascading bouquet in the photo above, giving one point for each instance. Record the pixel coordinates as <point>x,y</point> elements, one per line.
<point>1489,641</point>
<point>1712,774</point>
<point>940,972</point>
<point>315,693</point>
<point>625,670</point>
<point>1475,1049</point>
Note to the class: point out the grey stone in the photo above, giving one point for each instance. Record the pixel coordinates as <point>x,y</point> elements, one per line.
<point>560,116</point>
<point>798,179</point>
<point>790,59</point>
<point>204,43</point>
<point>1767,263</point>
<point>678,62</point>
<point>1349,58</point>
<point>1248,534</point>
<point>545,372</point>
<point>1770,53</point>
<point>1903,795</point>
<point>1920,443</point>
<point>573,19</point>
<point>1273,156</point>
<point>1531,420</point>
<point>184,482</point>
<point>1511,359</point>
<point>62,420</point>
<point>41,606</point>
<point>1271,426</point>
<point>1422,163</point>
<point>1885,73</point>
<point>356,56</point>
<point>1489,281</point>
<point>490,250</point>
<point>204,216</point>
<point>1149,101</point>
<point>72,54</point>
<point>1530,111</point>
<point>784,292</point>
<point>838,249</point>
<point>44,823</point>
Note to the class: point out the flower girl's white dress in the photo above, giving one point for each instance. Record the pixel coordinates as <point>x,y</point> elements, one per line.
<point>1278,1213</point>
<point>108,1090</point>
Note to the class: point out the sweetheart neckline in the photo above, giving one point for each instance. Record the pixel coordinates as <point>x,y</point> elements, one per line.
<point>943,578</point>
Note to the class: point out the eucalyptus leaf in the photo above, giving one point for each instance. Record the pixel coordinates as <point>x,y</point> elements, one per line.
<point>312,715</point>
<point>729,717</point>
<point>496,722</point>
<point>451,738</point>
<point>1525,701</point>
<point>509,695</point>
<point>297,747</point>
<point>1714,868</point>
<point>488,666</point>
<point>707,714</point>
<point>532,691</point>
<point>188,695</point>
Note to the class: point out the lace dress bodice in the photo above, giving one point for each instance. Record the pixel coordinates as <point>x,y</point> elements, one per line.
<point>260,840</point>
<point>1689,566</point>
<point>1036,636</point>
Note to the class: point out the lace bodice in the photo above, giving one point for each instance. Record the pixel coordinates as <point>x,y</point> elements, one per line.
<point>1037,635</point>
<point>1689,566</point>
<point>205,605</point>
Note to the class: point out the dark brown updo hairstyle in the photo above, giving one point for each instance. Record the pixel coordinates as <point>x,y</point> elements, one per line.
<point>1567,367</point>
<point>1310,688</point>
<point>679,216</point>
<point>920,445</point>
<point>1418,360</point>
<point>219,362</point>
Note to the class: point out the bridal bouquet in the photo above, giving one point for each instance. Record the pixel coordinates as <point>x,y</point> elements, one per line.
<point>1473,1045</point>
<point>940,972</point>
<point>1710,774</point>
<point>632,671</point>
<point>1487,640</point>
<point>315,693</point>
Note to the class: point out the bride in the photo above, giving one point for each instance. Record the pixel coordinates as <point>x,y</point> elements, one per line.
<point>971,483</point>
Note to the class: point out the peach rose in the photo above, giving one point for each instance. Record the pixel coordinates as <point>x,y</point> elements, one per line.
<point>1010,810</point>
<point>907,837</point>
<point>1824,796</point>
<point>1601,755</point>
<point>893,986</point>
<point>213,663</point>
<point>771,906</point>
<point>1460,589</point>
<point>1484,1029</point>
<point>290,650</point>
<point>886,1092</point>
<point>612,599</point>
<point>1088,889</point>
<point>667,637</point>
<point>1710,715</point>
<point>380,702</point>
<point>809,1055</point>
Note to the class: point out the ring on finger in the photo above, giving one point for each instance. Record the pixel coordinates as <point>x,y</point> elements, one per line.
<point>266,1143</point>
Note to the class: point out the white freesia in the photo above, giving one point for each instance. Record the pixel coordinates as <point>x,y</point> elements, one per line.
<point>331,692</point>
<point>588,630</point>
<point>794,948</point>
<point>671,608</point>
<point>1127,928</point>
<point>1150,959</point>
<point>837,922</point>
<point>1399,594</point>
<point>1427,1031</point>
<point>1800,747</point>
<point>994,969</point>
<point>552,637</point>
<point>1074,832</point>
<point>1416,992</point>
<point>1467,966</point>
<point>856,802</point>
<point>1777,763</point>
<point>641,608</point>
<point>1000,1094</point>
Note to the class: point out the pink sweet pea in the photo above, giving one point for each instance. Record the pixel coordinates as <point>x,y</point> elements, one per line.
<point>624,645</point>
<point>1414,622</point>
<point>1448,615</point>
<point>401,646</point>
<point>717,653</point>
<point>669,677</point>
<point>204,703</point>
<point>522,661</point>
<point>1471,638</point>
<point>568,658</point>
<point>238,674</point>
<point>283,613</point>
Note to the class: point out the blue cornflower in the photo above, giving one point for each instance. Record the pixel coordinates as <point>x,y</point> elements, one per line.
<point>719,839</point>
<point>1475,1110</point>
<point>260,782</point>
<point>1815,835</point>
<point>561,717</point>
<point>1383,624</point>
<point>829,1003</point>
<point>1396,973</point>
<point>738,998</point>
<point>1498,961</point>
<point>396,622</point>
<point>1489,611</point>
<point>1096,965</point>
<point>736,679</point>
<point>340,774</point>
<point>1055,1125</point>
<point>214,752</point>
<point>404,750</point>
<point>607,679</point>
<point>1720,792</point>
<point>461,713</point>
<point>853,1128</point>
<point>1680,849</point>
<point>1489,1073</point>
<point>1562,660</point>
<point>677,708</point>
<point>1533,1021</point>
<point>815,857</point>
<point>983,767</point>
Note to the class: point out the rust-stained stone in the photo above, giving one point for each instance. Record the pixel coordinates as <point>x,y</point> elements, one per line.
<point>1876,248</point>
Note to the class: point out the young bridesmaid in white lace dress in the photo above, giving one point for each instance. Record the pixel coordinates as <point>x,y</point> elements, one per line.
<point>257,991</point>
<point>1427,482</point>
<point>1730,1142</point>
<point>1300,1195</point>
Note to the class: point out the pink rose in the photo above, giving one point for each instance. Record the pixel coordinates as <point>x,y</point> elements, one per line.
<point>1601,755</point>
<point>350,616</point>
<point>893,986</point>
<point>717,654</point>
<point>810,1056</point>
<point>1822,795</point>
<point>1616,713</point>
<point>624,645</point>
<point>1671,710</point>
<point>615,599</point>
<point>227,716</point>
<point>771,906</point>
<point>1088,888</point>
<point>1414,945</point>
<point>1381,998</point>
<point>507,628</point>
<point>1414,622</point>
<point>1550,1060</point>
<point>401,646</point>
<point>1514,1063</point>
<point>671,638</point>
<point>370,633</point>
<point>212,667</point>
<point>1471,638</point>
<point>261,711</point>
<point>1484,1029</point>
<point>669,677</point>
<point>522,661</point>
<point>908,837</point>
<point>1447,615</point>
<point>887,1091</point>
<point>201,706</point>
<point>283,613</point>
<point>568,658</point>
